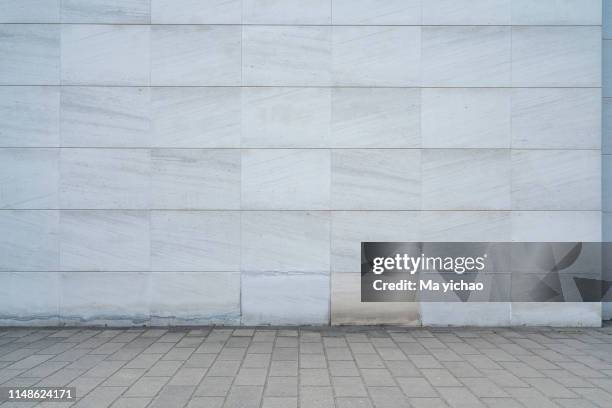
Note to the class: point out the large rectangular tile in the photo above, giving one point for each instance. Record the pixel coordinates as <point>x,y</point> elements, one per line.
<point>284,299</point>
<point>465,226</point>
<point>195,179</point>
<point>556,12</point>
<point>196,11</point>
<point>283,179</point>
<point>104,298</point>
<point>29,54</point>
<point>195,117</point>
<point>105,178</point>
<point>30,11</point>
<point>105,54</point>
<point>30,178</point>
<point>466,314</point>
<point>375,12</point>
<point>606,185</point>
<point>105,117</point>
<point>466,56</point>
<point>375,117</point>
<point>606,142</point>
<point>29,240</point>
<point>290,12</point>
<point>557,314</point>
<point>195,241</point>
<point>386,56</point>
<point>556,56</point>
<point>285,241</point>
<point>286,117</point>
<point>351,228</point>
<point>556,180</point>
<point>195,298</point>
<point>556,226</point>
<point>286,55</point>
<point>29,116</point>
<point>106,11</point>
<point>556,118</point>
<point>376,179</point>
<point>466,118</point>
<point>29,298</point>
<point>464,179</point>
<point>347,308</point>
<point>607,68</point>
<point>195,55</point>
<point>104,240</point>
<point>466,12</point>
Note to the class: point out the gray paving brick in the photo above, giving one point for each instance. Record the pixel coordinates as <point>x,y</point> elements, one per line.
<point>125,402</point>
<point>314,377</point>
<point>282,387</point>
<point>316,397</point>
<point>206,402</point>
<point>348,387</point>
<point>244,397</point>
<point>214,386</point>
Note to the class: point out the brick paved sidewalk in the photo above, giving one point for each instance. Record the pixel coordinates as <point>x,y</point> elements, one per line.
<point>310,367</point>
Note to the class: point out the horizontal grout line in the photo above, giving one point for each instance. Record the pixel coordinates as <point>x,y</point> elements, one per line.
<point>296,86</point>
<point>146,24</point>
<point>292,210</point>
<point>554,149</point>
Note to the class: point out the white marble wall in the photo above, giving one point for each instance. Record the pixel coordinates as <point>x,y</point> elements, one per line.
<point>219,161</point>
<point>606,149</point>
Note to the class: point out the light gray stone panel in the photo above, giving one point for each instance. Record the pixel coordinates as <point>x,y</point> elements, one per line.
<point>606,147</point>
<point>288,12</point>
<point>568,314</point>
<point>607,19</point>
<point>607,68</point>
<point>29,298</point>
<point>556,118</point>
<point>29,241</point>
<point>104,240</point>
<point>556,12</point>
<point>283,179</point>
<point>556,56</point>
<point>606,225</point>
<point>375,117</point>
<point>286,55</point>
<point>466,56</point>
<point>106,11</point>
<point>30,11</point>
<point>347,308</point>
<point>104,298</point>
<point>285,241</point>
<point>464,179</point>
<point>30,178</point>
<point>195,179</point>
<point>376,179</point>
<point>195,241</point>
<point>196,117</point>
<point>350,228</point>
<point>29,116</point>
<point>466,314</point>
<point>105,178</point>
<point>465,226</point>
<point>285,299</point>
<point>286,117</point>
<point>29,54</point>
<point>195,298</point>
<point>466,12</point>
<point>466,118</point>
<point>105,117</point>
<point>195,55</point>
<point>385,56</point>
<point>556,180</point>
<point>556,226</point>
<point>105,54</point>
<point>196,11</point>
<point>375,12</point>
<point>606,189</point>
